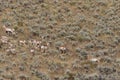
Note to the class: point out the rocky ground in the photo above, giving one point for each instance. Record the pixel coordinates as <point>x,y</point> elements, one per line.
<point>59,39</point>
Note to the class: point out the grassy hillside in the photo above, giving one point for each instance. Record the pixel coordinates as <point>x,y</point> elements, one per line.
<point>60,40</point>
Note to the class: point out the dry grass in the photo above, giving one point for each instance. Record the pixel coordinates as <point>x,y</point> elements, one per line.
<point>72,24</point>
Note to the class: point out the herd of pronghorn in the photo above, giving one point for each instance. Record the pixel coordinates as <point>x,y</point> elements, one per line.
<point>36,44</point>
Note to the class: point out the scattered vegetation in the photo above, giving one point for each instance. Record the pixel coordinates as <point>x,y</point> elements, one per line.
<point>59,40</point>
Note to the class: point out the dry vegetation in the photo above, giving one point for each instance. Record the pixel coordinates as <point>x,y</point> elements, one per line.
<point>59,39</point>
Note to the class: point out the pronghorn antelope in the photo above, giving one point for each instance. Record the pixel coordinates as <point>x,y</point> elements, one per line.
<point>4,39</point>
<point>34,43</point>
<point>93,59</point>
<point>44,47</point>
<point>9,31</point>
<point>22,42</point>
<point>32,51</point>
<point>62,49</point>
<point>11,51</point>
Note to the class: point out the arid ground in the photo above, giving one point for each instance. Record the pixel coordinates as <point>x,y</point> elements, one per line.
<point>59,39</point>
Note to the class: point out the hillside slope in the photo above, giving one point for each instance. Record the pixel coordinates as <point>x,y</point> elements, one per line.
<point>59,39</point>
